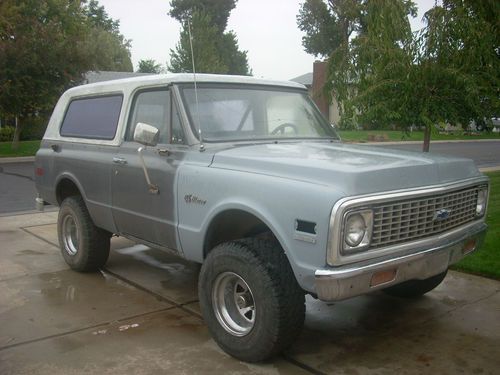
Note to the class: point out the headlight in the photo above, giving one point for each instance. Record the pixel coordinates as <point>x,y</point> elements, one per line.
<point>357,230</point>
<point>482,197</point>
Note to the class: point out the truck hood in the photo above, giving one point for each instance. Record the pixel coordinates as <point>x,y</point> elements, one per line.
<point>352,169</point>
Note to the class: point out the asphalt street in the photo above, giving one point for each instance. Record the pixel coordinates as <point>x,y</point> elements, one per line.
<point>484,154</point>
<point>17,189</point>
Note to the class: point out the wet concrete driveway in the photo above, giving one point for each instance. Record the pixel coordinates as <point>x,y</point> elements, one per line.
<point>140,316</point>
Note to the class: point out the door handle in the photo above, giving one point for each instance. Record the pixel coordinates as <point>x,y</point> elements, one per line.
<point>119,161</point>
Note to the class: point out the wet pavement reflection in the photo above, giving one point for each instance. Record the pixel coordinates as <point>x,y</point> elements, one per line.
<point>141,315</point>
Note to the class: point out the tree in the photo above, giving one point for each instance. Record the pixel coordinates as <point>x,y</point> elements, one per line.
<point>328,26</point>
<point>149,66</point>
<point>107,47</point>
<point>383,74</point>
<point>218,11</point>
<point>215,50</point>
<point>46,47</point>
<point>35,39</point>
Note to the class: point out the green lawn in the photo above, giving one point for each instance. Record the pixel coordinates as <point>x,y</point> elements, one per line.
<point>29,148</point>
<point>26,148</point>
<point>397,135</point>
<point>486,261</point>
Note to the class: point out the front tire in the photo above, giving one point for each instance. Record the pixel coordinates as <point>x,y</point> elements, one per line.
<point>415,288</point>
<point>84,246</point>
<point>250,299</point>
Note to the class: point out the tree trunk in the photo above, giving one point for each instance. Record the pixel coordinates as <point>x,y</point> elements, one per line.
<point>17,134</point>
<point>427,139</point>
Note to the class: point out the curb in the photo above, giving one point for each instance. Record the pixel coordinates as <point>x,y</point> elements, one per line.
<point>421,142</point>
<point>490,169</point>
<point>29,212</point>
<point>17,159</point>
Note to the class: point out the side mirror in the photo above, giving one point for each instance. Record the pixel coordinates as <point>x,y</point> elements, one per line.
<point>146,135</point>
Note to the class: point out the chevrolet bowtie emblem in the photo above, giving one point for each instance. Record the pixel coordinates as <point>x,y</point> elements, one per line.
<point>441,214</point>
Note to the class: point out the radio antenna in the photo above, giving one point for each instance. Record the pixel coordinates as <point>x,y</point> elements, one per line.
<point>202,146</point>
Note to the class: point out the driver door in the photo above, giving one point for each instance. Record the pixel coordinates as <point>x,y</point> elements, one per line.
<point>138,212</point>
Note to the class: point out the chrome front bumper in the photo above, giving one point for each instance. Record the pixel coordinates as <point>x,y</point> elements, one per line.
<point>340,283</point>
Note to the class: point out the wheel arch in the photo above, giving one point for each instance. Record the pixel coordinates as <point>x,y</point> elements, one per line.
<point>234,222</point>
<point>66,186</point>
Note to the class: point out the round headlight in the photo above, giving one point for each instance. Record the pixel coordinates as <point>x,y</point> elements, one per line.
<point>481,202</point>
<point>355,229</point>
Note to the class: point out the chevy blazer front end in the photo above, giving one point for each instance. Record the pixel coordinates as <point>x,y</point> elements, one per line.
<point>404,235</point>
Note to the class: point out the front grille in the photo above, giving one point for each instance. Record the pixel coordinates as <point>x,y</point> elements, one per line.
<point>411,219</point>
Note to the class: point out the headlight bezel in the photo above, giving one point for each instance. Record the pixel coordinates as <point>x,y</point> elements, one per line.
<point>366,214</point>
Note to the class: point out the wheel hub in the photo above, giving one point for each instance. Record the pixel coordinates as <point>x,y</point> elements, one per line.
<point>233,304</point>
<point>70,235</point>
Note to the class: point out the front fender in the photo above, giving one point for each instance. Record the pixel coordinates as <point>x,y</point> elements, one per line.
<point>204,193</point>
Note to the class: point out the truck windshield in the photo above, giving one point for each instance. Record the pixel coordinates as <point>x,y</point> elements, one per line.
<point>230,112</point>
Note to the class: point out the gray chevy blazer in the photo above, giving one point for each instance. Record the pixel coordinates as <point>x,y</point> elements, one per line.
<point>247,178</point>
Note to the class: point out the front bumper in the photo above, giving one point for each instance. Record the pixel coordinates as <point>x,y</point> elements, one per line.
<point>340,283</point>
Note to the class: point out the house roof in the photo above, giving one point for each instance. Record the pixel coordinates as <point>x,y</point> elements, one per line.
<point>103,75</point>
<point>305,79</point>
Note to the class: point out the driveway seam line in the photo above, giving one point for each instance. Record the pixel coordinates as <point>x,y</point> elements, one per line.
<point>37,225</point>
<point>157,295</point>
<point>301,365</point>
<point>181,306</point>
<point>39,237</point>
<point>39,339</point>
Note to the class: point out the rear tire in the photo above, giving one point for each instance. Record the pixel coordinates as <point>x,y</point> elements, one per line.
<point>250,299</point>
<point>84,246</point>
<point>415,288</point>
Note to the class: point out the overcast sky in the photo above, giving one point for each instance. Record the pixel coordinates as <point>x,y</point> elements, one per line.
<point>267,29</point>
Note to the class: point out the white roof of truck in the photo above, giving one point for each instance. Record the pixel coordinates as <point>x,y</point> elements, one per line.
<point>129,84</point>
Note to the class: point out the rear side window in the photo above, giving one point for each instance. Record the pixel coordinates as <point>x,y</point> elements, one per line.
<point>95,117</point>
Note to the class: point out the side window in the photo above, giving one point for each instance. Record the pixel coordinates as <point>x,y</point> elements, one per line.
<point>177,132</point>
<point>153,108</point>
<point>95,117</point>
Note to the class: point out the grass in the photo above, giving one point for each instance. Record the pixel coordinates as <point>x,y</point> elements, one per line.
<point>29,148</point>
<point>486,261</point>
<point>26,148</point>
<point>397,135</point>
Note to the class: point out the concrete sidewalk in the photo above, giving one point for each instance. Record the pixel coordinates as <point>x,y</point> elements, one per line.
<point>140,316</point>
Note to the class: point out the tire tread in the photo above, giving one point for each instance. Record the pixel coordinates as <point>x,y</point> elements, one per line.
<point>95,242</point>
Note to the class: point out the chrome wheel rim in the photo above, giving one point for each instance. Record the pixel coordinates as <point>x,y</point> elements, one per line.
<point>70,235</point>
<point>233,304</point>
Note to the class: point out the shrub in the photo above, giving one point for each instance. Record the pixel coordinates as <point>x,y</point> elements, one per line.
<point>6,133</point>
<point>34,129</point>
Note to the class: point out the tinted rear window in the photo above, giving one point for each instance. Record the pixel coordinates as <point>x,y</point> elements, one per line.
<point>92,117</point>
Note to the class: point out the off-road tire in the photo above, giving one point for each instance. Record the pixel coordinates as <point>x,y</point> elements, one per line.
<point>90,242</point>
<point>279,301</point>
<point>415,288</point>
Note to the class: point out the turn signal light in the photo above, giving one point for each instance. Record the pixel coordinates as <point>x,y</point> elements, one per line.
<point>383,277</point>
<point>469,246</point>
<point>39,171</point>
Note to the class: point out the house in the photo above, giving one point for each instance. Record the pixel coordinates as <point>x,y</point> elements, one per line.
<point>315,82</point>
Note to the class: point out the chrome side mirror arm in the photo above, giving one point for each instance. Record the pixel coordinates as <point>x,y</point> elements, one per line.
<point>153,189</point>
